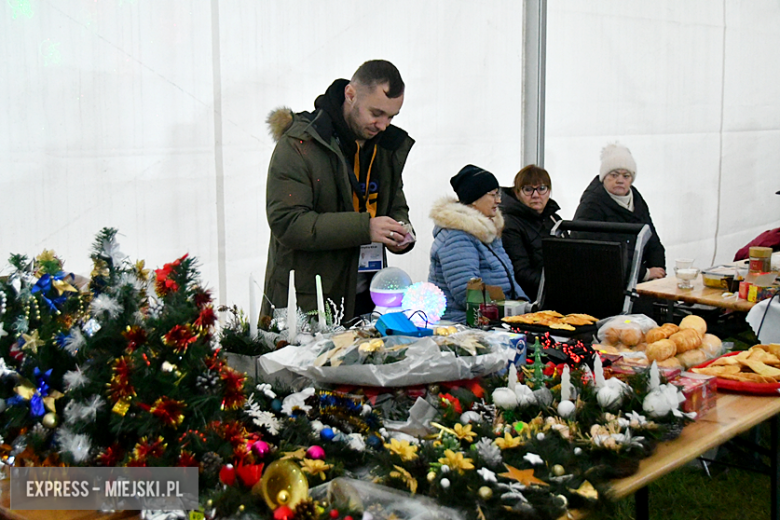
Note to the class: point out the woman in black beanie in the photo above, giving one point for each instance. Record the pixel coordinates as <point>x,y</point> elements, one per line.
<point>467,241</point>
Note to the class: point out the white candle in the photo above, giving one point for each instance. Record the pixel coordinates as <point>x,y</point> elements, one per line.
<point>598,371</point>
<point>320,303</point>
<point>511,381</point>
<point>655,377</point>
<point>292,310</point>
<point>566,383</point>
<point>252,308</point>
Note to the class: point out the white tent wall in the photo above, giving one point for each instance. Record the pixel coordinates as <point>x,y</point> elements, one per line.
<point>692,89</point>
<point>150,116</point>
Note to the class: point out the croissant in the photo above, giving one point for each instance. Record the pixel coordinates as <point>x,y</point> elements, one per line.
<point>662,332</point>
<point>694,322</point>
<point>660,350</point>
<point>685,340</point>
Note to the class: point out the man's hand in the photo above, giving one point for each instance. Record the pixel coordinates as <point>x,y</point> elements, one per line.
<point>655,273</point>
<point>387,231</point>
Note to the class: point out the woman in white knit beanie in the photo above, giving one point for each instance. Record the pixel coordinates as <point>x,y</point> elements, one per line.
<point>611,197</point>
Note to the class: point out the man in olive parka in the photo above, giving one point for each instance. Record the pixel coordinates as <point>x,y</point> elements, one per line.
<point>334,185</point>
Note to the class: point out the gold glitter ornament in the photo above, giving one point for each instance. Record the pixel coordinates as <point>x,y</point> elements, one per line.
<point>558,470</point>
<point>241,508</point>
<point>431,476</point>
<point>485,493</point>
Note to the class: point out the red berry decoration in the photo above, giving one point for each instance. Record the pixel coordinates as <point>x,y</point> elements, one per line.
<point>347,517</point>
<point>334,513</point>
<point>283,513</point>
<point>227,475</point>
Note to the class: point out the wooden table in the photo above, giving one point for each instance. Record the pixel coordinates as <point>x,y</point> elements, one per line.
<point>666,289</point>
<point>733,414</point>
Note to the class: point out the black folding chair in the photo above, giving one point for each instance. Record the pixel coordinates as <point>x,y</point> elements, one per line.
<point>591,276</point>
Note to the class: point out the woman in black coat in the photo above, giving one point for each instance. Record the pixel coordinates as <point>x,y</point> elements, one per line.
<point>529,215</point>
<point>611,197</point>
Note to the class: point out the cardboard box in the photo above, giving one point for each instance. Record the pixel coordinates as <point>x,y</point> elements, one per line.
<point>699,391</point>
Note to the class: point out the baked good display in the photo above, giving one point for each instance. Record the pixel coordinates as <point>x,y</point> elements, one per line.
<point>551,320</point>
<point>669,345</point>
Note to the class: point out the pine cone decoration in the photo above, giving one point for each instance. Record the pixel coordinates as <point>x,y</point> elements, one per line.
<point>305,510</point>
<point>211,462</point>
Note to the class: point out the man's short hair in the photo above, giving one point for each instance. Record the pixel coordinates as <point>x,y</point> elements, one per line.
<point>377,72</point>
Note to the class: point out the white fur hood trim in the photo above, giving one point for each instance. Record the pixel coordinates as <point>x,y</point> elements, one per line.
<point>448,213</point>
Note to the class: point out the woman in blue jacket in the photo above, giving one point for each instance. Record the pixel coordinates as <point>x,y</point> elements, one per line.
<point>467,241</point>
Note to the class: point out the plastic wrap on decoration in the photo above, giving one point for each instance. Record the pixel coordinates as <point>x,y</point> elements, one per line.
<point>381,501</point>
<point>416,361</point>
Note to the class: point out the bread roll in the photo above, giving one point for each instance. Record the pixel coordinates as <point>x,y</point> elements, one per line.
<point>641,347</point>
<point>612,335</point>
<point>631,336</point>
<point>671,362</point>
<point>711,345</point>
<point>694,322</point>
<point>660,350</point>
<point>685,340</point>
<point>692,358</point>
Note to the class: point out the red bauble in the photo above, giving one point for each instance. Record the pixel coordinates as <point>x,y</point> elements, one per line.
<point>334,513</point>
<point>283,513</point>
<point>227,475</point>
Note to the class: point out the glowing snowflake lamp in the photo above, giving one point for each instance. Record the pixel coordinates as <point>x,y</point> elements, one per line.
<point>387,288</point>
<point>425,297</point>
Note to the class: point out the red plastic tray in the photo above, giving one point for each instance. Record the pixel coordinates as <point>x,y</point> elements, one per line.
<point>743,387</point>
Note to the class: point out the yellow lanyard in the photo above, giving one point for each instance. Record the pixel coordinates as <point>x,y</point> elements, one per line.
<point>370,198</point>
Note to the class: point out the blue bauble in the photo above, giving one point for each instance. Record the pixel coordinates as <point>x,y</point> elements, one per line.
<point>327,434</point>
<point>375,441</point>
<point>276,405</point>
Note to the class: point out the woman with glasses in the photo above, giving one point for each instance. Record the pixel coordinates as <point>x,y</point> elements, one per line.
<point>611,197</point>
<point>530,214</point>
<point>467,241</point>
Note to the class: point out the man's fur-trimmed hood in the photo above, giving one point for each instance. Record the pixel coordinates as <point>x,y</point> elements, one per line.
<point>279,120</point>
<point>448,213</point>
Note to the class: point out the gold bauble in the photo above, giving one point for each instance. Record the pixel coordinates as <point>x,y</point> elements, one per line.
<point>431,476</point>
<point>485,493</point>
<point>209,503</point>
<point>282,480</point>
<point>241,508</point>
<point>50,420</point>
<point>558,470</point>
